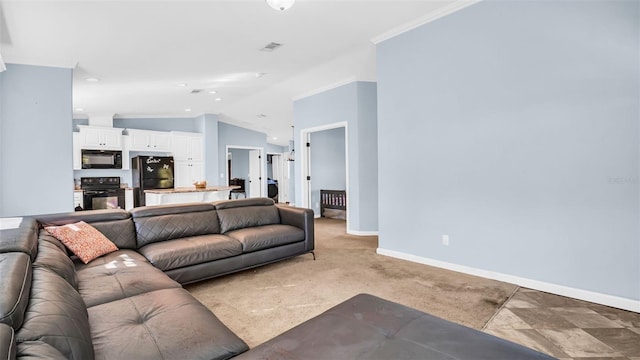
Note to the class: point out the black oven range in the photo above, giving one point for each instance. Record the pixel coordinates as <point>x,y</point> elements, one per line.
<point>102,193</point>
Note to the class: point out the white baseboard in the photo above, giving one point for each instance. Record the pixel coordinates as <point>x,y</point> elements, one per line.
<point>362,233</point>
<point>598,298</point>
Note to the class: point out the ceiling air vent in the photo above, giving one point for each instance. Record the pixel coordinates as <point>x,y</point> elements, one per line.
<point>271,46</point>
<point>196,91</point>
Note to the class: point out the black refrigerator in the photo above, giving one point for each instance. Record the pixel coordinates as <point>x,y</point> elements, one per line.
<point>150,172</point>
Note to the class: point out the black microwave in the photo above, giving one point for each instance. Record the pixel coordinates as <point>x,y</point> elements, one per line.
<point>101,159</point>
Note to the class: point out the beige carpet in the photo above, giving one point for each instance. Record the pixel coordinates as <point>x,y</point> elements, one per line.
<point>261,303</point>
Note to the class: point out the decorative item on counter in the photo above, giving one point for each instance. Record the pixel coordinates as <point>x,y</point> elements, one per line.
<point>202,184</point>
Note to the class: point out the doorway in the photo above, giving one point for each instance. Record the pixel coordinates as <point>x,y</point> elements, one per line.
<point>246,163</point>
<point>278,177</point>
<point>321,170</point>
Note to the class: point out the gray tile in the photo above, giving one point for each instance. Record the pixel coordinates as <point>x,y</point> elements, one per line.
<point>578,343</point>
<point>591,321</point>
<point>552,300</point>
<point>623,340</point>
<point>531,339</point>
<point>505,319</point>
<point>521,300</point>
<point>625,318</point>
<point>542,318</point>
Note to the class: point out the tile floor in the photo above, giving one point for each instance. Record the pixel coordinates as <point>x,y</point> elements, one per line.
<point>567,328</point>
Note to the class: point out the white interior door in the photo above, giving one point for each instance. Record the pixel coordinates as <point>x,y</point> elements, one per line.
<point>255,174</point>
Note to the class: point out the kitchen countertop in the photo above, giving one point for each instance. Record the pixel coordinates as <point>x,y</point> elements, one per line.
<point>190,189</point>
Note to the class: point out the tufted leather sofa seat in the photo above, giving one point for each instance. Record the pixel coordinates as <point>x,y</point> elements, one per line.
<point>130,304</point>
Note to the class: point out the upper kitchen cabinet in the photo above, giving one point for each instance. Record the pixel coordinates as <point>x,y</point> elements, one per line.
<point>147,140</point>
<point>100,138</point>
<point>187,146</point>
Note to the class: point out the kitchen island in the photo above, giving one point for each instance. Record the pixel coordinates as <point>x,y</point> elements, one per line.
<point>187,195</point>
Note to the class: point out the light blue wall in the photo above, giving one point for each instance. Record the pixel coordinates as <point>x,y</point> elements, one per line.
<point>239,163</point>
<point>519,121</point>
<point>275,149</point>
<point>236,136</point>
<point>35,140</point>
<point>207,125</point>
<point>355,104</point>
<point>328,164</point>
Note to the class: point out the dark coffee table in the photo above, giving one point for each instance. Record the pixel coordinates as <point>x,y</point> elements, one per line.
<point>368,327</point>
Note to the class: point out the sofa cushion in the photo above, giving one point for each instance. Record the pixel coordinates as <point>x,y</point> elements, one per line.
<point>38,350</point>
<point>163,324</point>
<point>7,342</point>
<point>57,316</point>
<point>83,240</point>
<point>121,274</point>
<point>162,223</point>
<point>120,232</point>
<point>56,259</point>
<point>19,235</point>
<point>239,214</point>
<point>192,250</point>
<point>268,236</point>
<point>15,283</point>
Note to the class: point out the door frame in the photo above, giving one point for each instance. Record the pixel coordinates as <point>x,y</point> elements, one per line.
<point>283,183</point>
<point>263,180</point>
<point>305,162</point>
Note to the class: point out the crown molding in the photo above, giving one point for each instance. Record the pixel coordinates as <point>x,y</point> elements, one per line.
<point>343,82</point>
<point>432,16</point>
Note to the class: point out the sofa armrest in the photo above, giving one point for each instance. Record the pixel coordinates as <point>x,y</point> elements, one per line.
<point>7,342</point>
<point>301,218</point>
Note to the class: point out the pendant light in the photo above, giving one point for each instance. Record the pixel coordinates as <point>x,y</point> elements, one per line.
<point>280,5</point>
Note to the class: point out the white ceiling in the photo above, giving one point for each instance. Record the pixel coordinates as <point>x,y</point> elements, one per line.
<point>141,50</point>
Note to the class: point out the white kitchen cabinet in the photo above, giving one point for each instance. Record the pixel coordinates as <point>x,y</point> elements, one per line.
<point>100,138</point>
<point>185,173</point>
<point>147,140</point>
<point>128,199</point>
<point>78,199</point>
<point>187,146</point>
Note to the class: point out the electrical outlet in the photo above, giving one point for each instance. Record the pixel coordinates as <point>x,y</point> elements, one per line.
<point>445,240</point>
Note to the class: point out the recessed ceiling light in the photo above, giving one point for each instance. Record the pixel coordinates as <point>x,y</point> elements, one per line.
<point>275,138</point>
<point>187,109</point>
<point>92,79</point>
<point>212,92</point>
<point>79,109</point>
<point>218,99</point>
<point>182,84</point>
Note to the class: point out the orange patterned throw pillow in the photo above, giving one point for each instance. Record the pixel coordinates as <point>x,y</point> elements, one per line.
<point>83,240</point>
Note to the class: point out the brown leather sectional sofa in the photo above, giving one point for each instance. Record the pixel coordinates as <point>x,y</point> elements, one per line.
<point>129,304</point>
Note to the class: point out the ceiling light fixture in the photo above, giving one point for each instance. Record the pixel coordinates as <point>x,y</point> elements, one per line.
<point>182,84</point>
<point>92,79</point>
<point>280,5</point>
<point>212,92</point>
<point>187,110</point>
<point>218,99</point>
